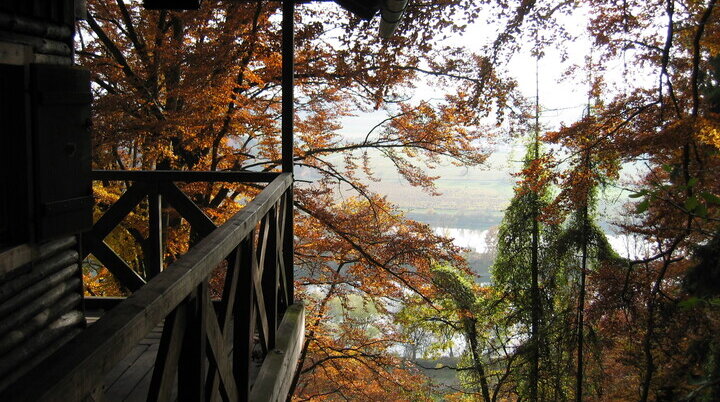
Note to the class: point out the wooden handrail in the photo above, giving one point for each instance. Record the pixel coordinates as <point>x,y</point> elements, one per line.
<point>77,369</point>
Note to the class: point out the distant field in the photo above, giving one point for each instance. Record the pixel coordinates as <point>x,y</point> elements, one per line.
<point>466,219</point>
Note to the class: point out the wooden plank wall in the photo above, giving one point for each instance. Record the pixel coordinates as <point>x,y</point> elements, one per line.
<point>46,27</point>
<point>40,304</point>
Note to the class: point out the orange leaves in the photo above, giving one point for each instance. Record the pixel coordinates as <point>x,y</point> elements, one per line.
<point>200,90</point>
<point>101,284</point>
<point>535,176</point>
<point>351,364</point>
<point>365,258</point>
<point>708,131</point>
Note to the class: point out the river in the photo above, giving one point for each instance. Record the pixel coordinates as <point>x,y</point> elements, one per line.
<point>476,240</point>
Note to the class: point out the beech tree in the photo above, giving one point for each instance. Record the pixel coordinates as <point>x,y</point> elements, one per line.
<point>528,271</point>
<point>199,90</point>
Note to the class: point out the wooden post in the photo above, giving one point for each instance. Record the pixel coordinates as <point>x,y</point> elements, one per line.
<point>154,259</point>
<point>163,377</point>
<point>191,370</point>
<point>245,319</point>
<point>269,278</point>
<point>288,114</point>
<point>285,283</point>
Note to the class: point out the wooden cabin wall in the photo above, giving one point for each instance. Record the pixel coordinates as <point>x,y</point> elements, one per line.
<point>40,304</point>
<point>40,271</point>
<point>44,27</point>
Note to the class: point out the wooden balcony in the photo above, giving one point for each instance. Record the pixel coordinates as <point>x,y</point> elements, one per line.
<point>206,347</point>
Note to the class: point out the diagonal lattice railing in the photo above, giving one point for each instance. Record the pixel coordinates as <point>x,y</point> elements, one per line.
<point>205,350</point>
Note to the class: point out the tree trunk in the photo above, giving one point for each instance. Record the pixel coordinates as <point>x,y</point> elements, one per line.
<point>581,303</point>
<point>472,335</point>
<point>535,302</point>
<point>534,286</point>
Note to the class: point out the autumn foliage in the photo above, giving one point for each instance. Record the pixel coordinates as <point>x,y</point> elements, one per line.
<point>200,90</point>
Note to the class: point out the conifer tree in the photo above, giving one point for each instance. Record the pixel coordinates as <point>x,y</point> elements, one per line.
<point>526,264</point>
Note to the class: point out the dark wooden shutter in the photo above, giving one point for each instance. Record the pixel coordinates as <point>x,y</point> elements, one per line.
<point>60,98</point>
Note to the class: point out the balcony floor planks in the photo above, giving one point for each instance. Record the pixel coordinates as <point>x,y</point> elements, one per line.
<point>129,380</point>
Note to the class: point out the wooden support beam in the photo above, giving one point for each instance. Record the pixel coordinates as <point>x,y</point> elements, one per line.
<point>191,367</point>
<point>270,276</point>
<point>187,208</point>
<point>245,318</point>
<point>101,303</point>
<point>127,277</point>
<point>227,306</point>
<point>227,303</point>
<point>289,245</point>
<point>257,270</point>
<point>288,72</point>
<point>154,248</point>
<point>218,355</point>
<point>288,117</point>
<point>285,282</point>
<point>166,363</point>
<point>119,210</point>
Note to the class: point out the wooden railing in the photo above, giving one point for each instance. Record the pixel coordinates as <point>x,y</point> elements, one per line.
<point>158,188</point>
<point>205,350</point>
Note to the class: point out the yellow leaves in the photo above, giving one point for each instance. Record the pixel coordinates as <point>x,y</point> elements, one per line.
<point>101,284</point>
<point>708,131</point>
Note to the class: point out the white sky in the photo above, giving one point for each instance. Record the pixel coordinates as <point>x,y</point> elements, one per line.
<point>563,100</point>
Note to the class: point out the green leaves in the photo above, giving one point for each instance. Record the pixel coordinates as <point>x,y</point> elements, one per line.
<point>697,204</point>
<point>689,303</point>
<point>691,203</point>
<point>642,206</point>
<point>710,198</point>
<point>693,301</point>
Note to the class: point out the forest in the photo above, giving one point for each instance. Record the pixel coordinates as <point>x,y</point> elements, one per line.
<point>390,303</point>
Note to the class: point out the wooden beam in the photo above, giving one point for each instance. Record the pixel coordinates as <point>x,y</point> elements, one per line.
<point>154,261</point>
<point>184,176</point>
<point>288,118</point>
<point>79,366</point>
<point>101,303</point>
<point>244,319</point>
<point>256,271</point>
<point>270,276</point>
<point>285,281</point>
<point>192,367</point>
<point>119,210</point>
<point>275,377</point>
<point>108,303</point>
<point>127,277</point>
<point>288,74</point>
<point>218,353</point>
<point>226,310</point>
<point>187,208</point>
<point>166,363</point>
